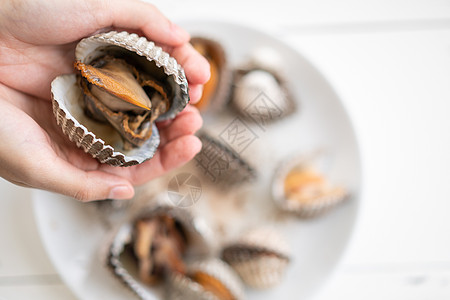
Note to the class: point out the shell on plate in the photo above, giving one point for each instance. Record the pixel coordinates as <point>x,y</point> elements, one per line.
<point>260,90</point>
<point>124,83</point>
<point>260,257</point>
<point>221,165</point>
<point>216,91</point>
<point>155,243</point>
<point>301,186</point>
<point>209,279</point>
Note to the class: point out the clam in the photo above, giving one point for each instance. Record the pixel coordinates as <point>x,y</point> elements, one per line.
<point>261,92</point>
<point>221,165</point>
<point>124,83</point>
<point>301,186</point>
<point>147,250</point>
<point>260,257</point>
<point>216,91</point>
<point>209,279</point>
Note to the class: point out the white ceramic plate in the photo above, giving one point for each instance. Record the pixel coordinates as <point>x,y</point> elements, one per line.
<point>73,234</point>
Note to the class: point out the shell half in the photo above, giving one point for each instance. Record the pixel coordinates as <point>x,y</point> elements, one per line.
<point>216,91</point>
<point>260,91</point>
<point>260,257</point>
<point>209,279</point>
<point>101,140</point>
<point>144,53</point>
<point>301,186</point>
<point>122,258</point>
<point>221,165</point>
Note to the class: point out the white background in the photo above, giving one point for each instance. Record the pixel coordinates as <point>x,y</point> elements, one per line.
<point>390,63</point>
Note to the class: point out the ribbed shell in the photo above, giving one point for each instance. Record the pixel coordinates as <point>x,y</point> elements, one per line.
<point>260,91</point>
<point>90,136</point>
<point>80,130</point>
<point>220,164</point>
<point>304,210</point>
<point>260,257</point>
<point>92,47</point>
<point>123,236</point>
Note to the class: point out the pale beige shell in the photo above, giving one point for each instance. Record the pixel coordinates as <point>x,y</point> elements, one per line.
<point>261,272</point>
<point>181,287</point>
<point>101,141</point>
<point>260,257</point>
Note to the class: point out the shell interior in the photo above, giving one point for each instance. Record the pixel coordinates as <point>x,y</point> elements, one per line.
<point>102,141</point>
<point>209,279</point>
<point>311,191</point>
<point>96,139</point>
<point>261,93</point>
<point>123,260</point>
<point>138,51</point>
<point>217,90</point>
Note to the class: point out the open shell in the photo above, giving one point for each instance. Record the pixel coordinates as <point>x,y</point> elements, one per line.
<point>101,140</point>
<point>260,91</point>
<point>122,261</point>
<point>181,287</point>
<point>301,186</point>
<point>260,257</point>
<point>216,91</point>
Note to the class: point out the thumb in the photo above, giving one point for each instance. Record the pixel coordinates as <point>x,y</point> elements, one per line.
<point>66,179</point>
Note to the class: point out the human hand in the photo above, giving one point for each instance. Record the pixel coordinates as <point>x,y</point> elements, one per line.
<point>37,40</point>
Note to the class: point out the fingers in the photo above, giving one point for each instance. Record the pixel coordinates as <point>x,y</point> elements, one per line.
<point>27,158</point>
<point>195,65</point>
<point>186,123</point>
<point>63,178</point>
<point>174,154</point>
<point>178,146</point>
<point>145,17</point>
<point>94,185</point>
<point>195,93</point>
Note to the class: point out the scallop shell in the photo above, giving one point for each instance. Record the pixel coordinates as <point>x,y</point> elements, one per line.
<point>318,200</point>
<point>260,257</point>
<point>99,140</point>
<point>221,165</point>
<point>181,287</point>
<point>216,91</point>
<point>126,270</point>
<point>261,92</point>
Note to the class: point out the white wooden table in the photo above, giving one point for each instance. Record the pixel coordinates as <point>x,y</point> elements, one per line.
<point>390,63</point>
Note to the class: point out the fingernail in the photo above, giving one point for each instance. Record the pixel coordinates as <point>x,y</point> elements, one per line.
<point>121,192</point>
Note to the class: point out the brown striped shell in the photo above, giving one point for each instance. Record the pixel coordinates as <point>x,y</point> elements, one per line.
<point>260,257</point>
<point>221,165</point>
